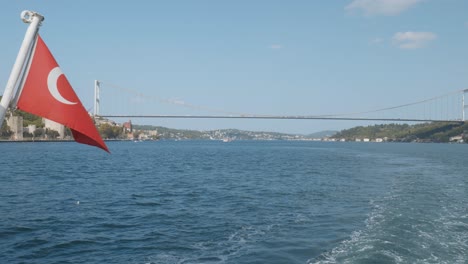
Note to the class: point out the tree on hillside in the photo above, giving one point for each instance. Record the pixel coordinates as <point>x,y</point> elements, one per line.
<point>5,131</point>
<point>52,134</point>
<point>109,131</point>
<point>39,132</point>
<point>27,135</point>
<point>68,132</point>
<point>29,119</point>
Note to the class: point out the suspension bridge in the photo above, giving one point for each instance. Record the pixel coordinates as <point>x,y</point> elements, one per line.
<point>449,107</point>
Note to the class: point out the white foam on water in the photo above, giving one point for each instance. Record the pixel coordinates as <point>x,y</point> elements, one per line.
<point>417,222</point>
<point>166,258</point>
<point>397,258</point>
<point>235,244</point>
<point>367,247</point>
<point>340,250</point>
<point>360,243</point>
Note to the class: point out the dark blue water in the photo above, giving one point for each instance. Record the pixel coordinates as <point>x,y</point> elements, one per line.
<point>237,202</point>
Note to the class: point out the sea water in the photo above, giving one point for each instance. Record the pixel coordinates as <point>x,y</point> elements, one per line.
<point>236,202</point>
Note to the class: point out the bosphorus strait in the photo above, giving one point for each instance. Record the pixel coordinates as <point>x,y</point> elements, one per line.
<point>236,202</point>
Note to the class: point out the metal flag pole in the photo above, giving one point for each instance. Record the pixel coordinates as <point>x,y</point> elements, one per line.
<point>34,20</point>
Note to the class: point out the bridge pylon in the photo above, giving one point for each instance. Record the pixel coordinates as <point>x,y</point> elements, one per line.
<point>464,105</point>
<point>97,100</point>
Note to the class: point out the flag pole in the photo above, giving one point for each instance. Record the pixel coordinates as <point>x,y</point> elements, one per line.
<point>34,20</point>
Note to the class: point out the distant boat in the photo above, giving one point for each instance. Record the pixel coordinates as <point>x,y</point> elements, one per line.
<point>225,140</point>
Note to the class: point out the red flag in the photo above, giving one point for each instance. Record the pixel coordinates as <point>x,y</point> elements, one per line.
<point>47,93</point>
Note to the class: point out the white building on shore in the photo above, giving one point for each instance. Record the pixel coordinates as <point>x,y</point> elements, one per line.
<point>16,126</point>
<point>55,126</point>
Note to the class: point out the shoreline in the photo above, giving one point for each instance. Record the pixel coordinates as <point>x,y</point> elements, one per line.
<point>51,140</point>
<point>118,140</point>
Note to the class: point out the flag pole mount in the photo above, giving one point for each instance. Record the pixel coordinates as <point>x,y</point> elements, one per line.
<point>27,16</point>
<point>34,20</point>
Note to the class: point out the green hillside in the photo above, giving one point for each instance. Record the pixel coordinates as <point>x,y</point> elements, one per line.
<point>427,132</point>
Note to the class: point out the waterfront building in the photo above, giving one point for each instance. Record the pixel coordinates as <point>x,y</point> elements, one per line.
<point>55,126</point>
<point>16,126</point>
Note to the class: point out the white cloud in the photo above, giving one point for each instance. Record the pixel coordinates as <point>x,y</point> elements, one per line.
<point>382,7</point>
<point>137,99</point>
<point>176,101</point>
<point>179,102</point>
<point>377,41</point>
<point>412,40</point>
<point>276,46</point>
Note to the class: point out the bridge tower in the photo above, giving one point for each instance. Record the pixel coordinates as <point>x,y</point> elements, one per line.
<point>464,105</point>
<point>97,91</point>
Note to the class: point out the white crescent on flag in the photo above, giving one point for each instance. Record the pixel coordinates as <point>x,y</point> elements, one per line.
<point>52,78</point>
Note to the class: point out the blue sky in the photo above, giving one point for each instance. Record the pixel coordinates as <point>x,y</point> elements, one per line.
<point>255,57</point>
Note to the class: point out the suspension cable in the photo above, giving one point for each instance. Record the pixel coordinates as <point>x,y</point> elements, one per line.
<point>220,111</point>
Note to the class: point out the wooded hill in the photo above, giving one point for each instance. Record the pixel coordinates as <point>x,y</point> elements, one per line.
<point>426,132</point>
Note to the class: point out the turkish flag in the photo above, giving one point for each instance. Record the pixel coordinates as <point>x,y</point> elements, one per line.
<point>47,93</point>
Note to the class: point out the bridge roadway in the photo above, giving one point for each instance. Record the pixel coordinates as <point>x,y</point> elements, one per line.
<point>280,117</point>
